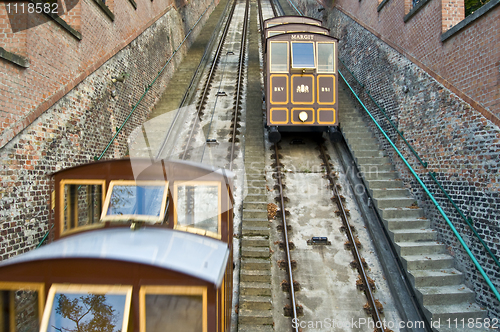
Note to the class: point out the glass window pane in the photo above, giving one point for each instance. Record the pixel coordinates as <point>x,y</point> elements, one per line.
<point>19,311</point>
<point>174,313</point>
<point>138,200</point>
<point>303,55</point>
<point>325,57</point>
<point>274,33</point>
<point>198,206</point>
<point>87,312</point>
<point>279,57</point>
<point>82,205</point>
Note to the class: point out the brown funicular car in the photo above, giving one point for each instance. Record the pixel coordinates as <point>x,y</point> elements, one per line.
<point>301,77</point>
<point>137,246</point>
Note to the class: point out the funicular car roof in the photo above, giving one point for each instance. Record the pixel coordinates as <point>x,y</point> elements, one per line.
<point>142,169</point>
<point>194,255</point>
<point>292,19</point>
<point>295,26</point>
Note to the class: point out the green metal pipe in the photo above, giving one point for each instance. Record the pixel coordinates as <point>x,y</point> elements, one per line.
<point>354,76</point>
<point>424,164</point>
<point>464,245</point>
<point>44,237</point>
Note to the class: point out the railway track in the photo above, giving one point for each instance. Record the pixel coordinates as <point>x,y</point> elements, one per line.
<point>210,131</point>
<point>267,309</point>
<point>367,285</point>
<point>373,307</point>
<point>318,250</point>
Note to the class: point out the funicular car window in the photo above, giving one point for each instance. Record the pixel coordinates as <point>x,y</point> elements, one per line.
<point>302,55</point>
<point>326,56</point>
<point>81,202</point>
<point>87,308</point>
<point>198,206</point>
<point>141,200</point>
<point>274,33</point>
<point>21,305</point>
<point>173,308</point>
<point>279,57</point>
<point>270,25</point>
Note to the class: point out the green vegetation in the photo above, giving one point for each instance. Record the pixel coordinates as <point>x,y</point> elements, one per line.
<point>472,5</point>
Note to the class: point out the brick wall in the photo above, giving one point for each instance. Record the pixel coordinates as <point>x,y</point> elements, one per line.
<point>58,60</point>
<point>81,121</point>
<point>70,11</point>
<point>457,141</point>
<point>468,62</point>
<point>11,39</point>
<point>452,12</point>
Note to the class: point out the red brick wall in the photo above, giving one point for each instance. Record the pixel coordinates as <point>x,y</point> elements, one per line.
<point>58,61</point>
<point>453,11</point>
<point>70,12</point>
<point>9,40</point>
<point>468,62</point>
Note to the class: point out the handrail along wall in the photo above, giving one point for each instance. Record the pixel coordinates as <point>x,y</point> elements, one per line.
<point>468,220</point>
<point>429,194</point>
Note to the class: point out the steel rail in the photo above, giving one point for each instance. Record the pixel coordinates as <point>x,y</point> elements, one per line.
<point>192,82</point>
<point>240,79</point>
<point>285,234</point>
<point>346,160</point>
<point>210,75</point>
<point>273,7</point>
<point>368,292</point>
<point>261,23</point>
<point>354,249</point>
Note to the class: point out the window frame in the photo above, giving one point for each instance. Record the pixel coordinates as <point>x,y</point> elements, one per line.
<point>32,286</point>
<point>274,33</point>
<point>270,25</point>
<point>91,289</point>
<point>195,230</point>
<point>287,56</point>
<point>171,290</point>
<point>62,212</point>
<point>314,55</point>
<point>334,57</point>
<point>135,217</point>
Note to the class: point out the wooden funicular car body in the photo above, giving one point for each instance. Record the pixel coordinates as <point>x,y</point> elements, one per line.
<point>137,246</point>
<point>301,77</point>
